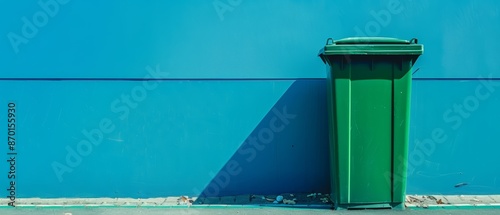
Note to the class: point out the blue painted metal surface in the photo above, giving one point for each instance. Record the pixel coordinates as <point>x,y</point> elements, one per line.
<point>454,137</point>
<point>184,134</point>
<point>264,39</point>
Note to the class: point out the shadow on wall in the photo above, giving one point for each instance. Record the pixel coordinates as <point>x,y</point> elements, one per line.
<point>287,152</point>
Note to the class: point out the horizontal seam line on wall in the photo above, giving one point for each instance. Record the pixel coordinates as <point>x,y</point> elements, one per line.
<point>157,79</point>
<point>220,79</point>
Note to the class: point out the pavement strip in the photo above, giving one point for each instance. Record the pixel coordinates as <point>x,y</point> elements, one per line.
<point>250,201</point>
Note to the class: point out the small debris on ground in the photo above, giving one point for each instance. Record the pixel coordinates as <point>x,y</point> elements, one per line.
<point>278,199</point>
<point>314,195</point>
<point>432,198</point>
<point>185,200</point>
<point>413,199</point>
<point>475,200</point>
<point>289,202</point>
<point>292,199</point>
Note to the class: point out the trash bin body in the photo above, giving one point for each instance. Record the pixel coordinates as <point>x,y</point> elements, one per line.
<point>369,87</point>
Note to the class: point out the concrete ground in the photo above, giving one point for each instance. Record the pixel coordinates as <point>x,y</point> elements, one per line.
<point>313,200</point>
<point>250,211</point>
<point>314,203</point>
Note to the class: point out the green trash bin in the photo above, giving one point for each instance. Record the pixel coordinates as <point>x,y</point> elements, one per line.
<point>369,86</point>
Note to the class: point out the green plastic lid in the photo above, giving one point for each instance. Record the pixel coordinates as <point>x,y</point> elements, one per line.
<point>371,40</point>
<point>371,46</point>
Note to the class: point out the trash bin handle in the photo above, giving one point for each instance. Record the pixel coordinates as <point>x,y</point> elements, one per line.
<point>328,40</point>
<point>413,40</point>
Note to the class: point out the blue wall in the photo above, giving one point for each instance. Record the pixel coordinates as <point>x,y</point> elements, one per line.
<point>192,94</point>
